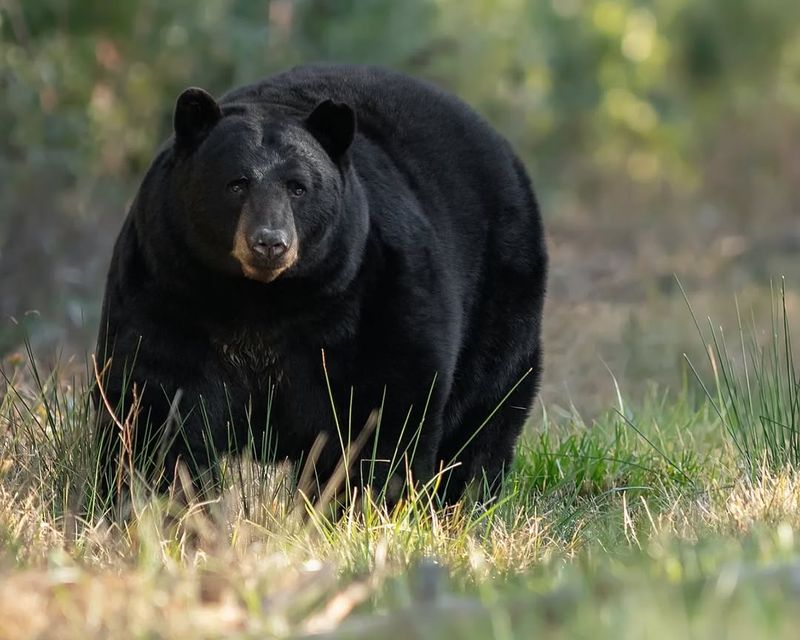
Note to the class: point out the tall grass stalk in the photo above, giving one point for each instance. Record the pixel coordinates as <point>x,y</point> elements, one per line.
<point>755,388</point>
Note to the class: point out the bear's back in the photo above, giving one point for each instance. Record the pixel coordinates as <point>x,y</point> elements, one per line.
<point>389,105</point>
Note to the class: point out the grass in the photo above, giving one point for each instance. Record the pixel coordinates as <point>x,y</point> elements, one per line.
<point>676,516</point>
<point>756,392</point>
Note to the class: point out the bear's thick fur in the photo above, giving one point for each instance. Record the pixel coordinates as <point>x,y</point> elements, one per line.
<point>348,211</point>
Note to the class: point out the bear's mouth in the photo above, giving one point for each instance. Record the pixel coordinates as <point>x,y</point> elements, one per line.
<point>264,270</point>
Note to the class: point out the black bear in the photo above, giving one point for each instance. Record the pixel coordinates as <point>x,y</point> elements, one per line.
<point>325,243</point>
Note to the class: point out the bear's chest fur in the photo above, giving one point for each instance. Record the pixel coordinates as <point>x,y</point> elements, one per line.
<point>249,353</point>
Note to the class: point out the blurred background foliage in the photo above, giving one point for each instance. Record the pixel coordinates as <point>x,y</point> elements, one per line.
<point>679,116</point>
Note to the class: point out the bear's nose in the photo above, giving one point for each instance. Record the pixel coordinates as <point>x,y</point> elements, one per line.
<point>269,243</point>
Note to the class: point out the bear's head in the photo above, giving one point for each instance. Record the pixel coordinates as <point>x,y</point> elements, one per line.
<point>258,189</point>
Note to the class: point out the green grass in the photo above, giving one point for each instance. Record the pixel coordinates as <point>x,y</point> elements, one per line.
<point>756,392</point>
<point>675,516</point>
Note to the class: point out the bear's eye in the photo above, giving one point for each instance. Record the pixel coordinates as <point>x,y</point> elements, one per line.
<point>238,186</point>
<point>295,188</point>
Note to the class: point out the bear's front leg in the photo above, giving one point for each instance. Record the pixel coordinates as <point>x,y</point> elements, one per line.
<point>152,426</point>
<point>387,437</point>
<point>400,455</point>
<point>385,463</point>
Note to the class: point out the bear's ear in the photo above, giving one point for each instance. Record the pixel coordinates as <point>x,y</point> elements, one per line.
<point>333,124</point>
<point>196,113</point>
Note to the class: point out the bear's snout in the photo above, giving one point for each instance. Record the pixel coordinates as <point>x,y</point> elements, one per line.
<point>269,244</point>
<point>263,252</point>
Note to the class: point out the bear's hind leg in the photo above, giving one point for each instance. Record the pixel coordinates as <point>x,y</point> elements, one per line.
<point>482,448</point>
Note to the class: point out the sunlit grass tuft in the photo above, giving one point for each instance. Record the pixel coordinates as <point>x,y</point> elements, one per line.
<point>755,390</point>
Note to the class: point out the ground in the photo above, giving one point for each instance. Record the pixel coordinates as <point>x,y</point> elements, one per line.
<point>636,508</point>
